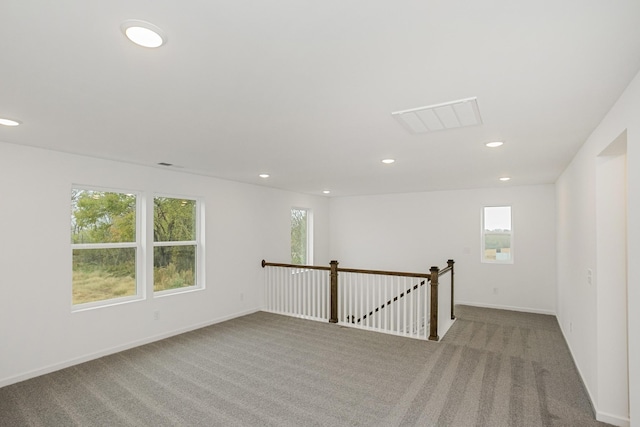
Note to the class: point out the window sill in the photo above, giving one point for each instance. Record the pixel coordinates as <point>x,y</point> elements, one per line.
<point>89,306</point>
<point>185,290</point>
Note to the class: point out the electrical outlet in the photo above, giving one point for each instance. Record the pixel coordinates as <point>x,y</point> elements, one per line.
<point>156,315</point>
<point>570,326</point>
<point>495,291</point>
<point>241,296</point>
<point>589,276</point>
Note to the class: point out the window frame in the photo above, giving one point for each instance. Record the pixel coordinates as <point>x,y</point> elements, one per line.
<point>137,245</point>
<point>483,234</point>
<point>198,243</point>
<point>309,234</point>
<point>144,245</point>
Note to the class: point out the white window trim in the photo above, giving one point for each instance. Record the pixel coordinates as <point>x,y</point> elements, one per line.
<point>176,243</point>
<point>482,236</point>
<point>104,245</point>
<point>309,260</point>
<point>139,245</point>
<point>144,248</point>
<point>309,237</point>
<point>199,244</point>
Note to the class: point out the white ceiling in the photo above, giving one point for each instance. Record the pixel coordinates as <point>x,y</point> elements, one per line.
<point>304,90</point>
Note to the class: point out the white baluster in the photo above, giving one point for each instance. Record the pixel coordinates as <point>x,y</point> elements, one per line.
<point>320,295</point>
<point>359,296</point>
<point>290,278</point>
<point>384,316</point>
<point>281,289</point>
<point>274,290</point>
<point>367,300</point>
<point>352,308</point>
<point>425,303</point>
<point>266,288</point>
<point>404,310</point>
<point>378,303</point>
<point>398,304</point>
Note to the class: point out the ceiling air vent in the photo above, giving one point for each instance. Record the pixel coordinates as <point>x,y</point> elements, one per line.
<point>449,115</point>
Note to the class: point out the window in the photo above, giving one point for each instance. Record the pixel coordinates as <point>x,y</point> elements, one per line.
<point>301,237</point>
<point>175,243</point>
<point>104,243</point>
<point>497,235</point>
<point>107,242</point>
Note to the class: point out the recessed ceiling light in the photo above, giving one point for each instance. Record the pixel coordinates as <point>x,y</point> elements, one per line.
<point>388,161</point>
<point>494,144</point>
<point>505,178</point>
<point>326,192</point>
<point>9,122</point>
<point>143,33</point>
<point>264,175</point>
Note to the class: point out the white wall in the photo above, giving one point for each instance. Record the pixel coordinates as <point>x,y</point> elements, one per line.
<point>38,331</point>
<point>411,232</point>
<point>587,321</point>
<point>611,283</point>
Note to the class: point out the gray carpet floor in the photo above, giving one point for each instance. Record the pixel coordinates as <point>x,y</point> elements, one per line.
<point>493,368</point>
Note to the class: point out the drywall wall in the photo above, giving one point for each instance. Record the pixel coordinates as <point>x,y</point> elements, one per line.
<point>38,330</point>
<point>611,282</point>
<point>587,320</point>
<point>411,232</point>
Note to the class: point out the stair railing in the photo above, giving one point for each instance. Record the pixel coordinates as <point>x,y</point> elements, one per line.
<point>386,301</point>
<point>387,304</point>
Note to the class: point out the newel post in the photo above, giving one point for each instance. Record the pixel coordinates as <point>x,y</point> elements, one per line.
<point>450,264</point>
<point>433,322</point>
<point>334,292</point>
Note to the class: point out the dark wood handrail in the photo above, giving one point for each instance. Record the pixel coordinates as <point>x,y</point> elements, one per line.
<point>384,272</point>
<point>302,267</point>
<point>350,270</point>
<point>445,270</point>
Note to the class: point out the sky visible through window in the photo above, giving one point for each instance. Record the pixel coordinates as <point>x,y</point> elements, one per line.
<point>497,218</point>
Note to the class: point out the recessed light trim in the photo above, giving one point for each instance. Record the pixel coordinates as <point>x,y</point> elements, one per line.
<point>143,33</point>
<point>505,178</point>
<point>264,175</point>
<point>9,122</point>
<point>388,161</point>
<point>494,144</point>
<point>326,192</point>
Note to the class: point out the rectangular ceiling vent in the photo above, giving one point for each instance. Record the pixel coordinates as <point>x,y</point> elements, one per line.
<point>449,115</point>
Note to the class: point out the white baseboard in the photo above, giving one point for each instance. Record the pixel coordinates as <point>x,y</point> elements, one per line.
<point>600,416</point>
<point>75,361</point>
<point>564,335</point>
<point>507,307</point>
<point>612,419</point>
